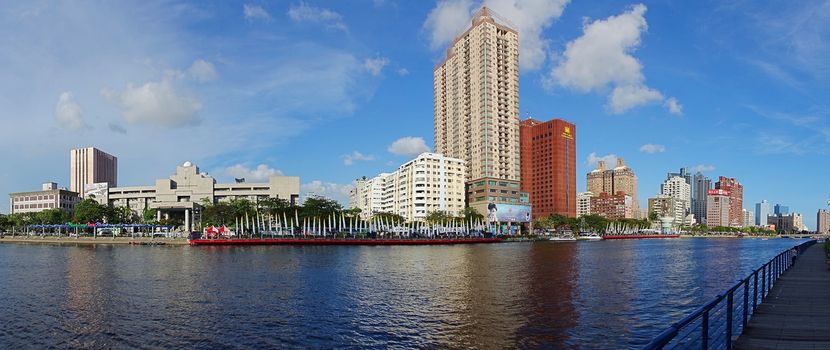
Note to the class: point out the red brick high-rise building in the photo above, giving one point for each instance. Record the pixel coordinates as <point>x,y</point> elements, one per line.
<point>736,199</point>
<point>548,166</point>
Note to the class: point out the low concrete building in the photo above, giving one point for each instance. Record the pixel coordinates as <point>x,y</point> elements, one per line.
<point>617,206</point>
<point>49,197</point>
<point>669,209</point>
<point>583,204</point>
<point>184,193</point>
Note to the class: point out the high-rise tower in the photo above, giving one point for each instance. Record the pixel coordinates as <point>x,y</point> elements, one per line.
<point>91,165</point>
<point>549,166</point>
<point>477,109</point>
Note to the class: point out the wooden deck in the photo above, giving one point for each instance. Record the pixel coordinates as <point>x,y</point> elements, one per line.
<point>796,313</point>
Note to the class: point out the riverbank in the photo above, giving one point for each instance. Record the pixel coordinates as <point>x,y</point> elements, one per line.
<point>90,240</point>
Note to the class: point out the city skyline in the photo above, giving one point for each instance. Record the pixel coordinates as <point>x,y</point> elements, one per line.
<point>244,101</point>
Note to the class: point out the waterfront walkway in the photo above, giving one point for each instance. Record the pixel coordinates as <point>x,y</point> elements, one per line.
<point>796,313</point>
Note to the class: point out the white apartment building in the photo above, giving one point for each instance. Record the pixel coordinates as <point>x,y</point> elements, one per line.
<point>749,218</point>
<point>678,188</point>
<point>49,197</point>
<point>583,203</point>
<point>430,182</point>
<point>669,209</point>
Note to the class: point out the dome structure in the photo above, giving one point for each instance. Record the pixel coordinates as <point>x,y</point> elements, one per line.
<point>187,164</point>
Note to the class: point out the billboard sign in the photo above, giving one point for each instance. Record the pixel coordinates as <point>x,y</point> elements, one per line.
<point>100,191</point>
<point>508,212</point>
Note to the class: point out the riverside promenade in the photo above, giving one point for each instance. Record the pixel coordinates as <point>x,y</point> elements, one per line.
<point>796,313</point>
<point>89,240</point>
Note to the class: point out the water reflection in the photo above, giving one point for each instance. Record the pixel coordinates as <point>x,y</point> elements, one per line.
<point>526,295</point>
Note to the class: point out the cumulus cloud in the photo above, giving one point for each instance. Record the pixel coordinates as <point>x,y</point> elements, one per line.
<point>375,65</point>
<point>408,146</point>
<point>530,18</point>
<point>652,148</point>
<point>253,12</point>
<point>626,97</point>
<point>68,113</point>
<point>673,106</point>
<point>156,103</point>
<point>602,57</point>
<point>202,71</point>
<point>349,159</point>
<point>610,159</point>
<point>703,168</point>
<point>311,14</point>
<point>331,190</point>
<point>261,173</point>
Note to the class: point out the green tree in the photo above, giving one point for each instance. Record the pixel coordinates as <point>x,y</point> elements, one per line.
<point>437,217</point>
<point>595,223</point>
<point>320,207</point>
<point>149,216</point>
<point>89,210</point>
<point>54,216</point>
<point>471,214</point>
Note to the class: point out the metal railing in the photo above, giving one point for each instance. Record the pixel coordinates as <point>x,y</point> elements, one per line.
<point>714,325</point>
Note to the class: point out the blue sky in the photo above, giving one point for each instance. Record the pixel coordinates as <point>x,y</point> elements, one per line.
<point>334,90</point>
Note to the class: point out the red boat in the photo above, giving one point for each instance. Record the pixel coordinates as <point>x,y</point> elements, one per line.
<point>340,241</point>
<point>638,236</point>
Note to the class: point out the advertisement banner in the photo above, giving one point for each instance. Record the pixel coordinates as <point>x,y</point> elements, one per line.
<point>508,213</point>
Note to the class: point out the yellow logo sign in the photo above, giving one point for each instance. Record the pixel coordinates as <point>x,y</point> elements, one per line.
<point>567,133</point>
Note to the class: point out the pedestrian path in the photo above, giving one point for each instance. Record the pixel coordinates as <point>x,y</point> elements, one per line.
<point>796,313</point>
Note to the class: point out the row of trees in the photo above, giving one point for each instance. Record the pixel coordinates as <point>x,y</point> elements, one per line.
<point>593,223</point>
<point>86,211</point>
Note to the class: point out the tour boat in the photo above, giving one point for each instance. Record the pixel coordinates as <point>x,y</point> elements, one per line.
<point>590,237</point>
<point>563,238</point>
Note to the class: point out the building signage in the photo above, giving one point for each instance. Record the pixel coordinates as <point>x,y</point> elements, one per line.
<point>508,213</point>
<point>567,133</point>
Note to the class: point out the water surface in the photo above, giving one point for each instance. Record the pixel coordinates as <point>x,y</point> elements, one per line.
<point>609,294</point>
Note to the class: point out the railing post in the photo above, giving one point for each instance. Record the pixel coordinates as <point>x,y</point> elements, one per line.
<point>704,327</point>
<point>746,302</point>
<point>755,291</point>
<point>729,305</point>
<point>769,281</point>
<point>763,281</point>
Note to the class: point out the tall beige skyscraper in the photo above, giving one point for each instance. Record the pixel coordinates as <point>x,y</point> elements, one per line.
<point>477,99</point>
<point>91,165</point>
<point>477,108</point>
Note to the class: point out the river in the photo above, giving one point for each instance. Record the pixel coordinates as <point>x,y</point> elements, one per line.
<point>591,295</point>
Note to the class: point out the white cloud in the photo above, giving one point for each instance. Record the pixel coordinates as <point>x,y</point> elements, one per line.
<point>261,173</point>
<point>408,146</point>
<point>403,72</point>
<point>253,12</point>
<point>449,18</point>
<point>602,57</point>
<point>202,71</point>
<point>703,168</point>
<point>610,159</point>
<point>626,97</point>
<point>156,103</point>
<point>652,148</point>
<point>375,65</point>
<point>673,106</point>
<point>331,190</point>
<point>306,13</point>
<point>68,113</point>
<point>349,159</point>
